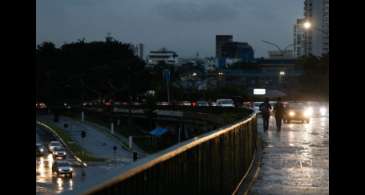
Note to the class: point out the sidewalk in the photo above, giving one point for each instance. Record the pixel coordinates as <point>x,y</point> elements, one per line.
<point>294,160</point>
<point>96,142</point>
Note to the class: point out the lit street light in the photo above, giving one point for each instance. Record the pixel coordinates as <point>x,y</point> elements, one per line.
<point>307,25</point>
<point>282,73</point>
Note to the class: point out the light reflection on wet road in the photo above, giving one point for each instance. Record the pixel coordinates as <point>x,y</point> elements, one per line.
<point>48,183</point>
<point>295,160</point>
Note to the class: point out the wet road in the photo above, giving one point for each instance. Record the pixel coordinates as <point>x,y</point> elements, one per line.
<point>48,183</point>
<point>295,160</point>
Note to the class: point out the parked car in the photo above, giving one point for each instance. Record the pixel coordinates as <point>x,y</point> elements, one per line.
<point>202,103</point>
<point>62,168</point>
<point>185,103</point>
<point>225,103</point>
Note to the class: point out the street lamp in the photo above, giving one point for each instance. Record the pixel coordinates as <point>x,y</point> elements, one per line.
<point>307,25</point>
<point>282,73</point>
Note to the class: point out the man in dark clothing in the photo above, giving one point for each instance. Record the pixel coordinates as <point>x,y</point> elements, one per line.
<point>265,109</point>
<point>279,113</point>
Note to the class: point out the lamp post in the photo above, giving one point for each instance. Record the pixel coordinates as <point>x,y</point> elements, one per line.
<point>308,26</point>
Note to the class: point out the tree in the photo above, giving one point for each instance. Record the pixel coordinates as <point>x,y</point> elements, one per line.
<point>79,70</point>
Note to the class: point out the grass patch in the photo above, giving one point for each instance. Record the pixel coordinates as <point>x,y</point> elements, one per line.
<point>142,142</point>
<point>97,126</point>
<point>74,147</point>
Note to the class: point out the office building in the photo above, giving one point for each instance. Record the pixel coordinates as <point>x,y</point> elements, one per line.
<point>228,51</point>
<point>220,40</point>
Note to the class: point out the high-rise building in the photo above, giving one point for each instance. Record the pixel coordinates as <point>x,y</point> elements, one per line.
<point>317,37</point>
<point>238,50</point>
<point>140,49</point>
<point>229,51</point>
<point>220,40</point>
<point>299,39</point>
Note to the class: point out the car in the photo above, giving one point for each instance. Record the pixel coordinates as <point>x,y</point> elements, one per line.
<point>202,103</point>
<point>61,167</point>
<point>225,103</point>
<point>40,150</point>
<point>185,103</point>
<point>297,112</point>
<point>59,152</point>
<point>163,104</point>
<point>256,106</point>
<point>54,144</point>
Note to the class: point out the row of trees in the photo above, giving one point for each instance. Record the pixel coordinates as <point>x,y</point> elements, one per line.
<point>79,71</point>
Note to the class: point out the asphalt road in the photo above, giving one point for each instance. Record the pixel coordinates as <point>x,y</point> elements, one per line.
<point>48,183</point>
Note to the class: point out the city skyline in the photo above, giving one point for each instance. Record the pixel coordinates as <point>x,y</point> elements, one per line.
<point>186,27</point>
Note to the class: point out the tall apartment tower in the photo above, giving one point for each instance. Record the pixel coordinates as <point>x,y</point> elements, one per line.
<point>220,40</point>
<point>317,38</point>
<point>140,50</point>
<point>299,39</point>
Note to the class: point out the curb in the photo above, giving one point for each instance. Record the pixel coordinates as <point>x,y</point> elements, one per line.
<point>63,142</point>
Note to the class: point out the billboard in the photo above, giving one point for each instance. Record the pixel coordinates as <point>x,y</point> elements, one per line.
<point>259,91</point>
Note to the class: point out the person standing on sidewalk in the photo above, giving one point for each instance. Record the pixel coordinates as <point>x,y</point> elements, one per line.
<point>279,113</point>
<point>265,109</point>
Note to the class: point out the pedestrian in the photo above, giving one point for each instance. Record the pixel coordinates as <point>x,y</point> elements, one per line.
<point>265,109</point>
<point>279,113</point>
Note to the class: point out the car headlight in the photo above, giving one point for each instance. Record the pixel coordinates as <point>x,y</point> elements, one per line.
<point>41,150</point>
<point>308,112</point>
<point>291,113</point>
<point>59,169</point>
<point>71,169</point>
<point>323,111</point>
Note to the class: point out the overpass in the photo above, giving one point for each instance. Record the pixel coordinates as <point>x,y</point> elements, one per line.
<point>216,162</point>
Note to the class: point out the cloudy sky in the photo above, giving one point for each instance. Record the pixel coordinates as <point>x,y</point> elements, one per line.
<point>185,26</point>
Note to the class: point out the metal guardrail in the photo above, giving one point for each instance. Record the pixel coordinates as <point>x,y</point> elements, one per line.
<point>213,163</point>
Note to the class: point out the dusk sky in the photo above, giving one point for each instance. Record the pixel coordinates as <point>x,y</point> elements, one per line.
<point>185,26</point>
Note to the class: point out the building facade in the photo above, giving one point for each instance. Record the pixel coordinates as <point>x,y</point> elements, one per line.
<point>228,51</point>
<point>162,56</point>
<point>299,39</point>
<point>220,40</point>
<point>317,37</point>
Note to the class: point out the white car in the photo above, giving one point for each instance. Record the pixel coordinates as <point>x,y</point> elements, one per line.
<point>62,168</point>
<point>225,103</point>
<point>54,144</point>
